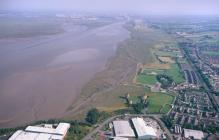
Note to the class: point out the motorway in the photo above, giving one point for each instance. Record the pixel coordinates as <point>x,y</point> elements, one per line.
<point>156,117</point>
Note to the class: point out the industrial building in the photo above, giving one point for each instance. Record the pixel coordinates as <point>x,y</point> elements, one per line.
<point>178,129</point>
<point>120,138</point>
<point>122,128</point>
<point>42,132</point>
<point>142,130</point>
<point>193,134</point>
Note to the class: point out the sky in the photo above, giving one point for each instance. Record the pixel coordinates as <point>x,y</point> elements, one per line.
<point>148,7</point>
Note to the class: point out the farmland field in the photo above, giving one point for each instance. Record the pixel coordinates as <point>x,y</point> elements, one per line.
<point>167,54</point>
<point>175,73</point>
<point>147,79</point>
<point>157,101</point>
<point>157,71</point>
<point>165,108</point>
<point>157,66</point>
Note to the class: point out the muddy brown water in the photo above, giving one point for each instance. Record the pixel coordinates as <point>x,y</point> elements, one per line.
<point>41,77</point>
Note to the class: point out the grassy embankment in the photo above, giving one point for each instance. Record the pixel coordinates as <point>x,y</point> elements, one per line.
<point>108,89</point>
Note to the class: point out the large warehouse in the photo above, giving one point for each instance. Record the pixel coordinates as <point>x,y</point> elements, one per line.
<point>194,134</point>
<point>45,132</point>
<point>122,128</point>
<point>142,130</point>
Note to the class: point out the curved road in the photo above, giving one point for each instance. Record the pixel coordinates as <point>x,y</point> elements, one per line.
<point>156,117</point>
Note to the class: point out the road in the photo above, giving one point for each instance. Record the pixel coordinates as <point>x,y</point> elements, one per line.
<point>100,126</point>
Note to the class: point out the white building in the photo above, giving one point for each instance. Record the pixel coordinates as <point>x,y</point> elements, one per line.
<point>143,131</point>
<point>123,128</point>
<point>46,132</point>
<point>194,134</point>
<point>120,138</point>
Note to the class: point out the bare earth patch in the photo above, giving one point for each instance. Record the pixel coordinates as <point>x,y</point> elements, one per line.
<point>166,59</point>
<point>157,66</point>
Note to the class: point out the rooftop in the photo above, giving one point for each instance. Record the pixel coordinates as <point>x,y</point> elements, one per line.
<point>122,128</point>
<point>142,129</point>
<point>41,133</point>
<point>188,133</point>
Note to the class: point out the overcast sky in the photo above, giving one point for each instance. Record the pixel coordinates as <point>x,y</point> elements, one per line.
<point>150,7</point>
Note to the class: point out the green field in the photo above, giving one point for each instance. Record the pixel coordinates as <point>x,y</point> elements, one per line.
<point>211,52</point>
<point>170,54</point>
<point>147,79</point>
<point>166,108</point>
<point>158,71</point>
<point>157,101</point>
<point>175,73</point>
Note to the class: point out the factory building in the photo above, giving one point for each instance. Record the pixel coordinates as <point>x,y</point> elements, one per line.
<point>42,132</point>
<point>193,134</point>
<point>142,130</point>
<point>122,128</point>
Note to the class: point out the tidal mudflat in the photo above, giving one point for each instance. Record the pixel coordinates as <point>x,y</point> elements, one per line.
<point>40,77</point>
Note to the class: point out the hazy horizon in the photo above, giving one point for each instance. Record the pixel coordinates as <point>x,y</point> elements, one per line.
<point>155,7</point>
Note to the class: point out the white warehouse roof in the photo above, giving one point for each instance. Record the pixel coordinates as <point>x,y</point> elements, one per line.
<point>22,135</point>
<point>188,133</point>
<point>16,134</point>
<point>43,136</point>
<point>38,129</point>
<point>120,138</point>
<point>34,136</point>
<point>143,131</point>
<point>61,129</point>
<point>41,133</point>
<point>123,128</point>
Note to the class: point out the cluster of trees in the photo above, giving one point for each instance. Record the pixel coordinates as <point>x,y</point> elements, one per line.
<point>165,80</point>
<point>93,116</point>
<point>78,130</point>
<point>138,107</point>
<point>167,121</point>
<point>6,131</point>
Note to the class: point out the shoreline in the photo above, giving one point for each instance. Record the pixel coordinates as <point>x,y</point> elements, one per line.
<point>32,81</point>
